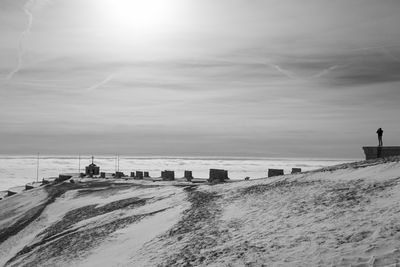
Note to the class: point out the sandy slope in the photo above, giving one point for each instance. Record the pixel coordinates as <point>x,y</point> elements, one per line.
<point>347,215</point>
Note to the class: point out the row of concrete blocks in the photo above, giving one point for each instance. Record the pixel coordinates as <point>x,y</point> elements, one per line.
<point>278,172</point>
<point>138,175</point>
<point>216,175</point>
<point>166,175</point>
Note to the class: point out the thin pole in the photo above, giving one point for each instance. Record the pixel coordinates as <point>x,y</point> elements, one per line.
<point>118,162</point>
<point>37,169</point>
<point>79,165</point>
<point>115,162</point>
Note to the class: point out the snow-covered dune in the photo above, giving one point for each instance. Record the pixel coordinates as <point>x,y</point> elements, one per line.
<point>346,215</point>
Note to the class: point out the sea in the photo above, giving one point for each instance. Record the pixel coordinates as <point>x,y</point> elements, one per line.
<point>20,170</point>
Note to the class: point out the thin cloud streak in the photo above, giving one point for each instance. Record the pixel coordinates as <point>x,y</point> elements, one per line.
<point>102,83</point>
<point>28,8</point>
<point>327,71</point>
<point>283,71</point>
<point>28,11</point>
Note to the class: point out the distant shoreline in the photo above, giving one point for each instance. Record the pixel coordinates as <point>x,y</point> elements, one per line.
<point>88,156</point>
<point>20,170</point>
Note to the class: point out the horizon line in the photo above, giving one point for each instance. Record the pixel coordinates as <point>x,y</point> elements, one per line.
<point>112,156</point>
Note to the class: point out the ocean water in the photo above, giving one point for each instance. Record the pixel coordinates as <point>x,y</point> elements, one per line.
<point>19,170</point>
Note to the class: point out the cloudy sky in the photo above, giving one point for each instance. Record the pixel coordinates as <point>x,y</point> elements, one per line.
<point>273,78</point>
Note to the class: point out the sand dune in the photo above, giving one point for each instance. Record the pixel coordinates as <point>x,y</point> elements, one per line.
<point>346,215</point>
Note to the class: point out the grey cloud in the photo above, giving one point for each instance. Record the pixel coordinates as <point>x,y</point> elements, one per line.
<point>365,69</point>
<point>345,68</point>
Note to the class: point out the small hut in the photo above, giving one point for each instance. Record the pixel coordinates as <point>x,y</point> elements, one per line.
<point>92,169</point>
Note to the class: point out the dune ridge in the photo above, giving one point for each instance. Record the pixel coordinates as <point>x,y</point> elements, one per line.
<point>344,215</point>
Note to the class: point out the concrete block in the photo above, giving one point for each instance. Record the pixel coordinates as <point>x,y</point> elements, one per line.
<point>275,172</point>
<point>374,152</point>
<point>11,193</point>
<point>64,176</point>
<point>28,187</point>
<point>119,174</point>
<point>139,175</point>
<point>218,176</point>
<point>296,170</point>
<point>188,175</point>
<point>61,178</point>
<point>168,175</point>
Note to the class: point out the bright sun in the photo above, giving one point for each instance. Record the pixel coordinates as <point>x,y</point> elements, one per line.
<point>142,15</point>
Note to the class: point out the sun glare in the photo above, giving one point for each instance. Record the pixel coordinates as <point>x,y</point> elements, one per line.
<point>143,15</point>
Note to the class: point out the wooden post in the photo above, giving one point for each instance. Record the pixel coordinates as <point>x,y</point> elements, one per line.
<point>37,169</point>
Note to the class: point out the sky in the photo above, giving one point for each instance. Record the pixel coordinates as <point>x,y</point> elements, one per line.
<point>268,78</point>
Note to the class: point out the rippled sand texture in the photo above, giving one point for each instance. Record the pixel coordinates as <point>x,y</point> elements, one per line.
<point>346,215</point>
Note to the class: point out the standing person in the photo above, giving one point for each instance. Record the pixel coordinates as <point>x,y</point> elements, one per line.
<point>380,133</point>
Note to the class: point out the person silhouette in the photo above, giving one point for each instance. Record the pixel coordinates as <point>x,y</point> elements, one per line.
<point>380,133</point>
